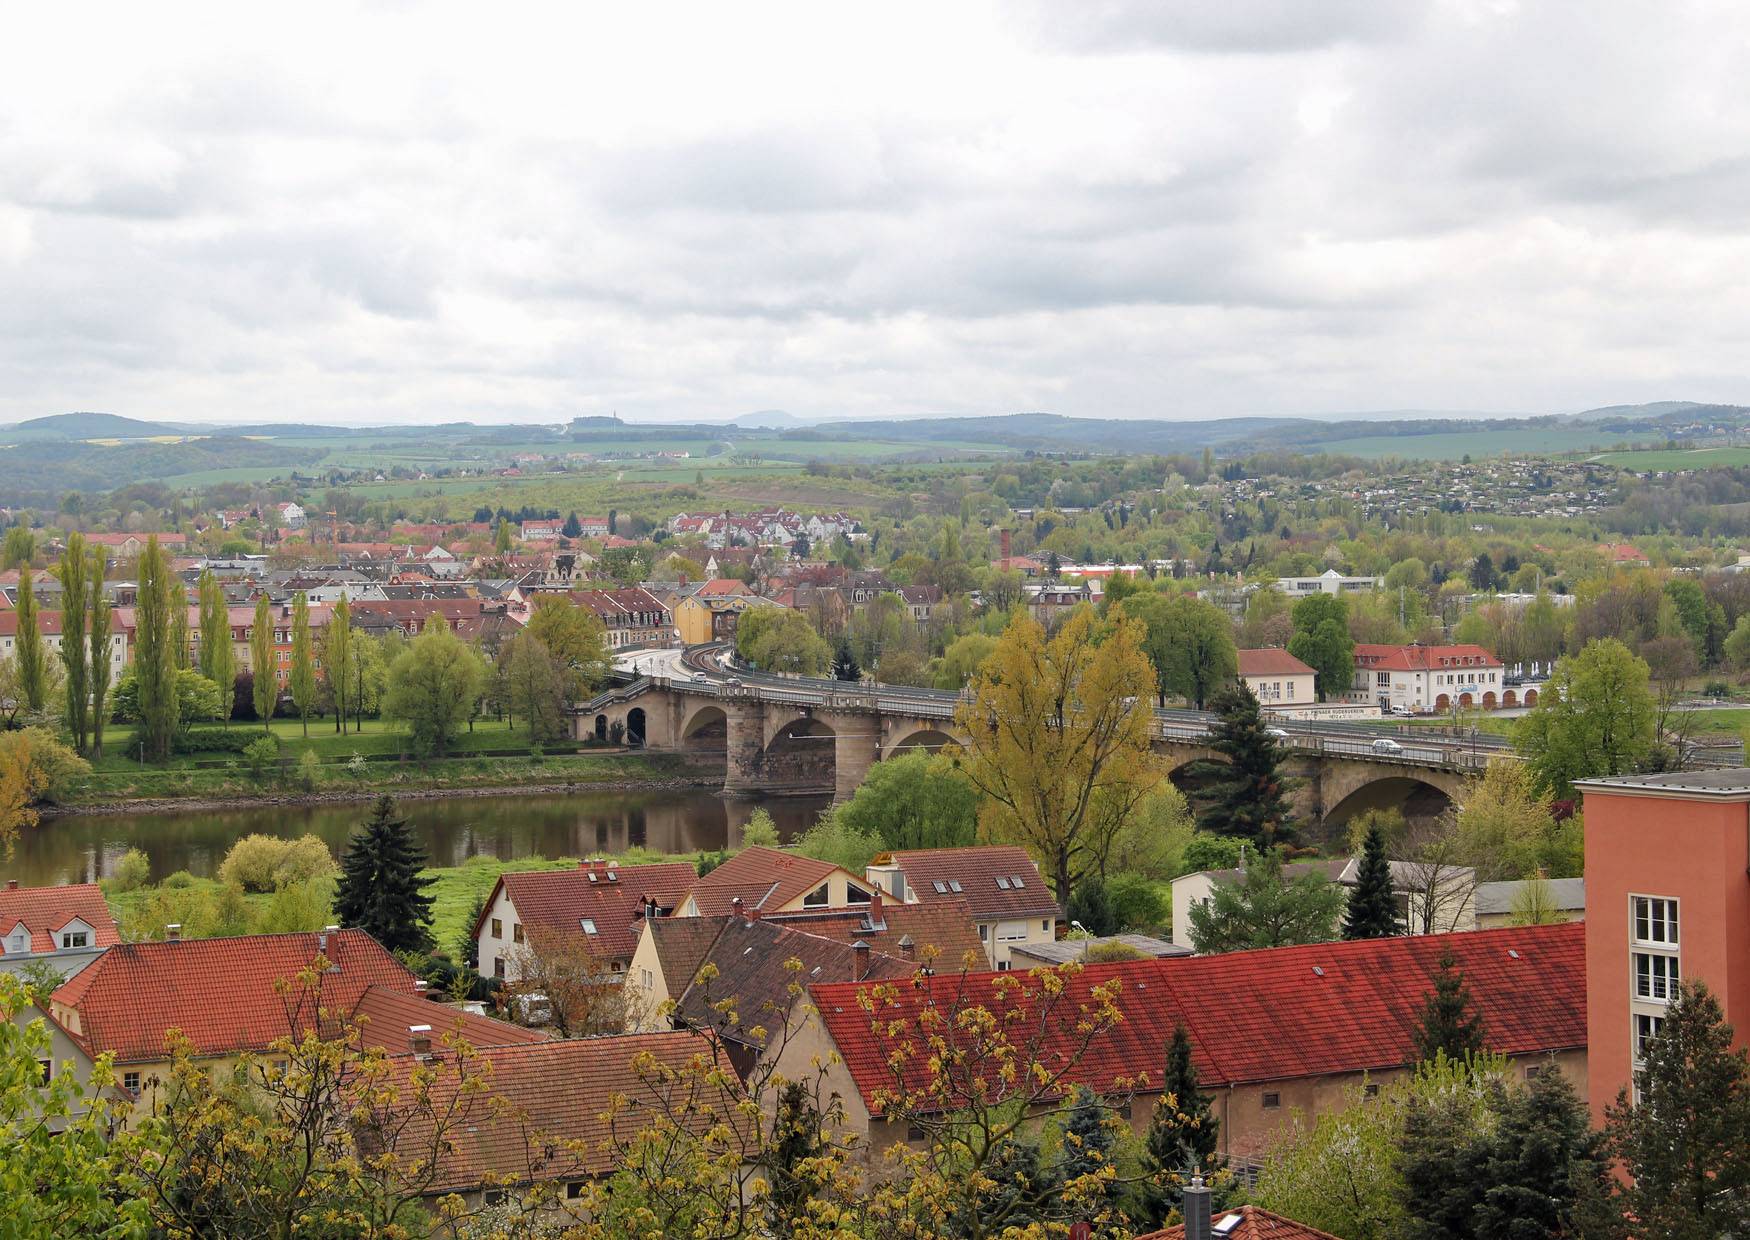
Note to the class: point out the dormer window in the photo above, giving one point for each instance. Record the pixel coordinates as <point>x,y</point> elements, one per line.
<point>75,938</point>
<point>817,898</point>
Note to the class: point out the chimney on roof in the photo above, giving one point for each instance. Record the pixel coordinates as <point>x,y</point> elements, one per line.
<point>860,960</point>
<point>420,985</point>
<point>12,884</point>
<point>173,932</point>
<point>419,1039</point>
<point>875,908</point>
<point>322,939</point>
<point>908,950</point>
<point>1198,1225</point>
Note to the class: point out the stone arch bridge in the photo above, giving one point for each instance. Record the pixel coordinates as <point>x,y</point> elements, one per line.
<point>783,735</point>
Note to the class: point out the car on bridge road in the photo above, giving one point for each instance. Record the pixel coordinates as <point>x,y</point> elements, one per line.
<point>1386,745</point>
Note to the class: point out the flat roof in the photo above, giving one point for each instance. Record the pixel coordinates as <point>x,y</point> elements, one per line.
<point>1731,783</point>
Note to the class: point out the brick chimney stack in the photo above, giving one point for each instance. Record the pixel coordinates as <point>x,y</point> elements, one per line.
<point>1006,545</point>
<point>908,950</point>
<point>12,884</point>
<point>860,960</point>
<point>875,908</point>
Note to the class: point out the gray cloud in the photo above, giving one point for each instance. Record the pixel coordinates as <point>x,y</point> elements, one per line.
<point>1104,209</point>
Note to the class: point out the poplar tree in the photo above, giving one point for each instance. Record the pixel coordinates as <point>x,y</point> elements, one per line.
<point>179,623</point>
<point>1373,907</point>
<point>337,659</point>
<point>154,659</point>
<point>265,680</point>
<point>27,649</point>
<point>98,651</point>
<point>380,891</point>
<point>218,656</point>
<point>303,679</point>
<point>75,591</point>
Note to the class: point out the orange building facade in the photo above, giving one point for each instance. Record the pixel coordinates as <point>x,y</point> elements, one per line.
<point>1667,898</point>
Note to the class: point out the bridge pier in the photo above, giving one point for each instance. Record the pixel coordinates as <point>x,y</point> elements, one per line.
<point>856,746</point>
<point>744,748</point>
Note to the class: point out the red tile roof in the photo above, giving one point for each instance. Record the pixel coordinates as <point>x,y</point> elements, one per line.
<point>765,879</point>
<point>1417,658</point>
<point>384,1017</point>
<point>1271,661</point>
<point>555,1092</point>
<point>945,924</point>
<point>553,903</point>
<point>719,586</point>
<point>973,873</point>
<point>1254,1224</point>
<point>1277,1014</point>
<point>219,992</point>
<point>45,910</point>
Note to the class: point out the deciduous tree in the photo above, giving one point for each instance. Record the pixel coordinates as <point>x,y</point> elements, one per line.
<point>1056,726</point>
<point>98,657</point>
<point>266,686</point>
<point>155,663</point>
<point>303,677</point>
<point>337,660</point>
<point>76,588</point>
<point>1595,717</point>
<point>434,687</point>
<point>27,647</point>
<point>218,654</point>
<point>574,636</point>
<point>916,800</point>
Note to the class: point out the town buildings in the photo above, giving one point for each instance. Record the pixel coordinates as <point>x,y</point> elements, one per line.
<point>1277,678</point>
<point>999,884</point>
<point>65,927</point>
<point>1420,678</point>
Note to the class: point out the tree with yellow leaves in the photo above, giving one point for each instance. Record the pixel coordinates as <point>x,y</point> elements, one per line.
<point>1058,739</point>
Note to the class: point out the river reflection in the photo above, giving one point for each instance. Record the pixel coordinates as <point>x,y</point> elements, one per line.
<point>83,848</point>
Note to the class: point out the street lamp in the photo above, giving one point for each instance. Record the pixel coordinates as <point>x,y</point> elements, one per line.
<point>1076,925</point>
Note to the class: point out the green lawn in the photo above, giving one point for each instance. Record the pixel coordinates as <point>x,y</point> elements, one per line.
<point>1676,458</point>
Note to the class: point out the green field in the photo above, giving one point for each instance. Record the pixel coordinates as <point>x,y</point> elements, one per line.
<point>1678,458</point>
<point>1474,444</point>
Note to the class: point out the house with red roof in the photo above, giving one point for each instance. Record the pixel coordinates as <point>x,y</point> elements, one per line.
<point>48,627</point>
<point>632,616</point>
<point>999,884</point>
<point>1275,1034</point>
<point>1423,678</point>
<point>542,531</point>
<point>1276,678</point>
<point>1244,1223</point>
<point>67,927</point>
<point>598,907</point>
<point>1623,555</point>
<point>537,1113</point>
<point>763,881</point>
<point>221,995</point>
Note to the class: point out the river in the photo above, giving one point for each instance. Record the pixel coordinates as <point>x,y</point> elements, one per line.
<point>83,848</point>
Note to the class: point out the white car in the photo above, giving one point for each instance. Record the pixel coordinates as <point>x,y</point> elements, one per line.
<point>1280,734</point>
<point>1402,712</point>
<point>1387,745</point>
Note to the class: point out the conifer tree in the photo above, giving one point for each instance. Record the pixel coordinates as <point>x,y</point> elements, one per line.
<point>1685,1143</point>
<point>1450,1022</point>
<point>1373,910</point>
<point>264,676</point>
<point>303,678</point>
<point>75,620</point>
<point>380,891</point>
<point>1089,1144</point>
<point>844,663</point>
<point>218,658</point>
<point>27,649</point>
<point>97,645</point>
<point>154,659</point>
<point>1182,1132</point>
<point>1247,795</point>
<point>1545,1164</point>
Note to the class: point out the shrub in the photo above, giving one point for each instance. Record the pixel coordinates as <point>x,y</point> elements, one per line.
<point>263,863</point>
<point>178,881</point>
<point>53,770</point>
<point>309,769</point>
<point>1103,953</point>
<point>260,753</point>
<point>1208,851</point>
<point>1137,902</point>
<point>132,872</point>
<point>208,741</point>
<point>832,839</point>
<point>760,830</point>
<point>297,906</point>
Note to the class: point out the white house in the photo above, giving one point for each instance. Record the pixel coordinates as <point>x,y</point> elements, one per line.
<point>292,516</point>
<point>1443,899</point>
<point>1328,582</point>
<point>1426,678</point>
<point>1276,678</point>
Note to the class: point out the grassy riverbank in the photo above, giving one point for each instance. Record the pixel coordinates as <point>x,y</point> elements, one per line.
<point>453,890</point>
<point>374,760</point>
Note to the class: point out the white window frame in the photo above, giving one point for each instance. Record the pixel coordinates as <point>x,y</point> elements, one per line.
<point>1661,977</point>
<point>1673,923</point>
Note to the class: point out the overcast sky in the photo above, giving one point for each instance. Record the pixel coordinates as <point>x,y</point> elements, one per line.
<point>420,212</point>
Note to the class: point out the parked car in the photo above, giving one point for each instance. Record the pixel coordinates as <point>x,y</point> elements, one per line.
<point>1387,745</point>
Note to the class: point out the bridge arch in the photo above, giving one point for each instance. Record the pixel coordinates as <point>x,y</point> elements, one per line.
<point>922,739</point>
<point>802,756</point>
<point>637,727</point>
<point>1412,796</point>
<point>706,734</point>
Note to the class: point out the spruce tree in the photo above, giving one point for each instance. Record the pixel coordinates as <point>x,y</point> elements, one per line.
<point>1685,1143</point>
<point>1182,1132</point>
<point>380,891</point>
<point>1089,1144</point>
<point>1373,910</point>
<point>1246,795</point>
<point>27,651</point>
<point>1450,1022</point>
<point>1545,1163</point>
<point>844,663</point>
<point>1091,905</point>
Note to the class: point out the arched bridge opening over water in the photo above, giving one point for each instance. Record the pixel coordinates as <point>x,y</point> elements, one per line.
<point>776,734</point>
